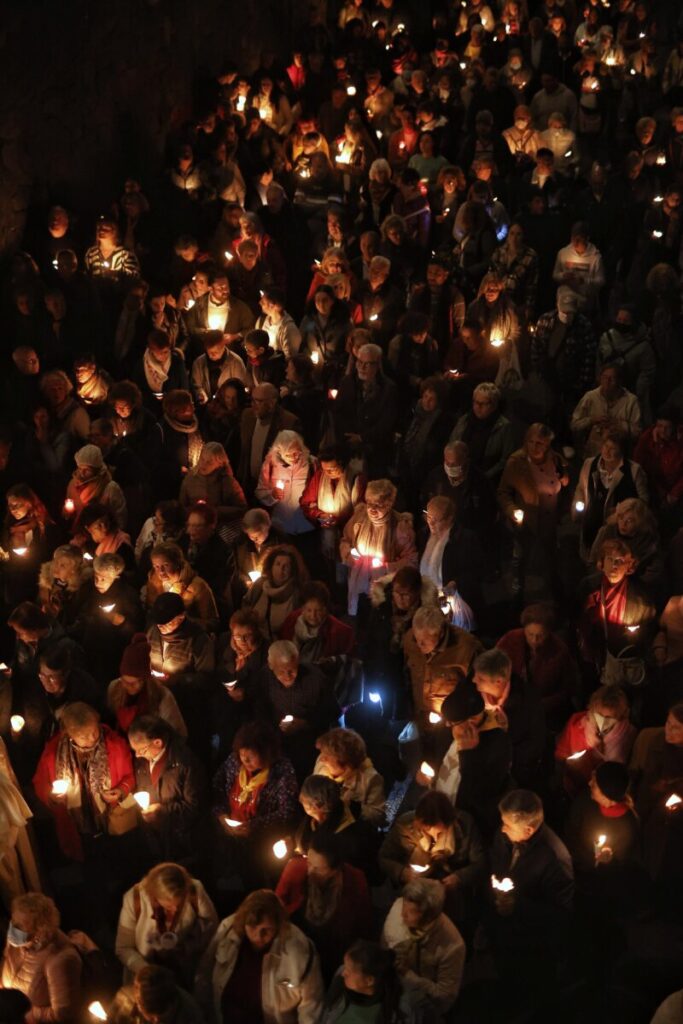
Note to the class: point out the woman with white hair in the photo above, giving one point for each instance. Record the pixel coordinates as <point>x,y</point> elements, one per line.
<point>380,192</point>
<point>284,474</point>
<point>376,541</point>
<point>430,951</point>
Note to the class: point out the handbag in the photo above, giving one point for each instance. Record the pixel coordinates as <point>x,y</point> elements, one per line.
<point>123,817</point>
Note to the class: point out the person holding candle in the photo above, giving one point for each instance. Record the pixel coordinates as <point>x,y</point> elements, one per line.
<point>212,482</point>
<point>136,692</point>
<point>657,763</point>
<point>276,593</point>
<point>326,812</point>
<point>430,951</point>
<point>167,523</point>
<point>604,482</point>
<point>344,759</point>
<point>171,573</point>
<point>103,536</point>
<point>160,369</point>
<point>331,494</point>
<point>366,410</point>
<point>606,407</point>
<point>376,540</point>
<point>602,829</point>
<point>453,559</point>
<point>216,365</point>
<point>167,771</point>
<point>181,442</point>
<point>324,329</point>
<point>207,551</point>
<point>259,942</point>
<point>167,919</point>
<point>61,584</point>
<point>446,842</point>
<point>41,961</point>
<point>634,523</point>
<point>92,484</point>
<point>486,431</point>
<point>302,395</point>
<point>531,483</point>
<point>28,535</point>
<point>249,550</point>
<point>154,993</point>
<point>497,316</point>
<point>285,472</point>
<point>96,766</point>
<point>317,633</point>
<point>181,652</point>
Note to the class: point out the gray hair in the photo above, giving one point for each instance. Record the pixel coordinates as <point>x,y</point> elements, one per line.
<point>370,349</point>
<point>488,390</point>
<point>322,791</point>
<point>110,563</point>
<point>457,448</point>
<point>427,894</point>
<point>494,663</point>
<point>523,806</point>
<point>281,651</point>
<point>380,263</point>
<point>285,439</point>
<point>379,165</point>
<point>255,518</point>
<point>429,617</point>
<point>70,552</point>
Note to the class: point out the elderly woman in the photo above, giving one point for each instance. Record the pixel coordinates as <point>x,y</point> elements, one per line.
<point>212,482</point>
<point>542,658</point>
<point>94,769</point>
<point>255,791</point>
<point>604,482</point>
<point>28,536</point>
<point>437,837</point>
<point>486,432</point>
<point>166,919</point>
<point>105,536</point>
<point>328,898</point>
<point>285,472</point>
<point>435,962</point>
<point>452,558</point>
<point>633,522</point>
<point>277,592</point>
<point>92,484</point>
<point>326,811</point>
<point>172,573</point>
<point>136,692</point>
<point>600,733</point>
<point>344,759</point>
<point>528,496</point>
<point>109,615</point>
<point>61,584</point>
<point>40,961</point>
<point>376,540</point>
<point>258,940</point>
<point>332,263</point>
<point>316,632</point>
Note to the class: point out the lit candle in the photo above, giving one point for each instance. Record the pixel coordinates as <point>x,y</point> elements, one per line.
<point>674,802</point>
<point>568,153</point>
<point>502,884</point>
<point>463,65</point>
<point>158,675</point>
<point>419,868</point>
<point>287,719</point>
<point>373,318</point>
<point>254,575</point>
<point>55,264</point>
<point>577,756</point>
<point>355,553</point>
<point>454,373</point>
<point>232,822</point>
<point>400,27</point>
<point>59,787</point>
<point>3,666</point>
<point>107,607</point>
<point>658,199</point>
<point>280,484</point>
<point>315,358</point>
<point>427,770</point>
<point>69,506</point>
<point>97,1011</point>
<point>657,234</point>
<point>106,264</point>
<point>190,304</point>
<point>20,551</point>
<point>230,685</point>
<point>228,255</point>
<point>332,393</point>
<point>633,71</point>
<point>661,160</point>
<point>497,341</point>
<point>518,515</point>
<point>17,722</point>
<point>579,506</point>
<point>434,718</point>
<point>375,697</point>
<point>350,90</point>
<point>378,132</point>
<point>598,845</point>
<point>632,629</point>
<point>142,800</point>
<point>280,849</point>
<point>401,146</point>
<point>377,563</point>
<point>241,103</point>
<point>88,557</point>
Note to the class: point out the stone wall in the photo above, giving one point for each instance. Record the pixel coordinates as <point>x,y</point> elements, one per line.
<point>90,88</point>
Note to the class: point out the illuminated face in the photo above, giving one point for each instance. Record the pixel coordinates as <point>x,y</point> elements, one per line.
<point>292,455</point>
<point>58,223</point>
<point>435,832</point>
<point>258,535</point>
<point>314,613</point>
<point>427,640</point>
<point>86,738</point>
<point>482,405</point>
<point>403,598</point>
<point>673,730</point>
<point>318,866</point>
<point>84,372</point>
<point>286,671</point>
<point>610,451</point>
<point>627,522</point>
<point>438,523</point>
<point>251,759</point>
<point>378,508</point>
<point>164,569</point>
<point>537,447</point>
<point>244,640</point>
<point>98,530</point>
<point>355,980</point>
<point>18,507</point>
<point>132,685</point>
<point>492,687</point>
<point>52,680</point>
<point>332,470</point>
<point>220,290</point>
<point>122,408</point>
<point>516,831</point>
<point>208,462</point>
<point>103,581</point>
<point>615,566</point>
<point>313,810</point>
<point>609,384</point>
<point>535,635</point>
<point>323,303</point>
<point>281,570</point>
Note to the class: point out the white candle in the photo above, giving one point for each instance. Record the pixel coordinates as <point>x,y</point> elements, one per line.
<point>375,698</point>
<point>190,304</point>
<point>59,787</point>
<point>419,868</point>
<point>434,718</point>
<point>88,557</point>
<point>661,160</point>
<point>20,551</point>
<point>230,685</point>
<point>17,723</point>
<point>427,770</point>
<point>287,719</point>
<point>673,802</point>
<point>579,506</point>
<point>254,575</point>
<point>657,234</point>
<point>350,90</point>
<point>142,800</point>
<point>107,607</point>
<point>158,675</point>
<point>518,515</point>
<point>502,884</point>
<point>577,756</point>
<point>232,822</point>
<point>315,358</point>
<point>376,562</point>
<point>228,255</point>
<point>280,849</point>
<point>97,1011</point>
<point>69,506</point>
<point>280,484</point>
<point>332,393</point>
<point>497,341</point>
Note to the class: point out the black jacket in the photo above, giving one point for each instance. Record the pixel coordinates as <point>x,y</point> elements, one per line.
<point>374,418</point>
<point>526,729</point>
<point>178,788</point>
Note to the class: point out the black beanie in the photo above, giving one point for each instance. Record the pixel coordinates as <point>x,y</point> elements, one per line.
<point>613,779</point>
<point>464,702</point>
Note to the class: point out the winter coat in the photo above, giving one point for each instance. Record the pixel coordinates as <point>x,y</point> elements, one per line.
<point>220,490</point>
<point>402,845</point>
<point>286,512</point>
<point>554,672</point>
<point>499,444</point>
<point>362,790</point>
<point>177,784</point>
<point>373,417</point>
<point>337,638</point>
<point>439,954</point>
<point>231,367</point>
<point>432,678</point>
<point>517,489</point>
<point>278,800</point>
<point>200,604</point>
<point>291,983</point>
<point>50,977</point>
<point>188,652</point>
<point>628,481</point>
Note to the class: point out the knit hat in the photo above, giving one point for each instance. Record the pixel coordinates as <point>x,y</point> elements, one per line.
<point>89,455</point>
<point>135,658</point>
<point>166,607</point>
<point>464,702</point>
<point>613,780</point>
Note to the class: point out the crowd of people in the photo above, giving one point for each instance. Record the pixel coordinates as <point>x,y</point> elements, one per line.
<point>341,556</point>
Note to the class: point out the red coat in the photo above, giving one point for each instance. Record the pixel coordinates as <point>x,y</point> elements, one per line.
<point>353,918</point>
<point>662,461</point>
<point>120,771</point>
<point>337,637</point>
<point>554,672</point>
<point>578,735</point>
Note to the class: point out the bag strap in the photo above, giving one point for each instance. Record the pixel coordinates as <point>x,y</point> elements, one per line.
<point>137,903</point>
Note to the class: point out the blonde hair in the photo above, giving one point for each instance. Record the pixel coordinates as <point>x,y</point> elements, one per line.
<point>381,489</point>
<point>167,881</point>
<point>259,905</point>
<point>42,911</point>
<point>346,745</point>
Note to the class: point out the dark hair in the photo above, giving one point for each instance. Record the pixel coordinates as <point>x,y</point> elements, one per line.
<point>275,295</point>
<point>247,617</point>
<point>157,990</point>
<point>337,452</point>
<point>125,391</point>
<point>257,337</point>
<point>207,512</point>
<point>152,727</point>
<point>172,513</point>
<point>413,323</point>
<point>57,657</point>
<point>14,1006</point>
<point>327,846</point>
<point>261,737</point>
<point>409,577</point>
<point>380,965</point>
<point>316,590</point>
<point>435,808</point>
<point>299,571</point>
<point>91,513</point>
<point>541,613</point>
<point>28,615</point>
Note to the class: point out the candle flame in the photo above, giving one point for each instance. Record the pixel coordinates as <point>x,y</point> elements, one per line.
<point>434,718</point>
<point>142,800</point>
<point>332,393</point>
<point>17,722</point>
<point>575,757</point>
<point>419,868</point>
<point>254,575</point>
<point>59,787</point>
<point>673,801</point>
<point>280,849</point>
<point>287,719</point>
<point>427,770</point>
<point>579,506</point>
<point>502,884</point>
<point>232,822</point>
<point>97,1011</point>
<point>20,551</point>
<point>315,358</point>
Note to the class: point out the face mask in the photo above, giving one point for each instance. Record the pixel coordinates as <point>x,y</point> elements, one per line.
<point>515,65</point>
<point>453,472</point>
<point>602,722</point>
<point>565,316</point>
<point>521,126</point>
<point>16,937</point>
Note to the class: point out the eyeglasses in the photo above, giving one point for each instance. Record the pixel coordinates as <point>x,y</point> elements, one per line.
<point>376,506</point>
<point>367,362</point>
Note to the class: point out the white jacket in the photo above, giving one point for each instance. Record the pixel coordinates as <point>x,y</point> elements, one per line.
<point>586,267</point>
<point>440,953</point>
<point>291,982</point>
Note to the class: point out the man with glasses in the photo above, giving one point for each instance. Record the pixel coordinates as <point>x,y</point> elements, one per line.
<point>366,409</point>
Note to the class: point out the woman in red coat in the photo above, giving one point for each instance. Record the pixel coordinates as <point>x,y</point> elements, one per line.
<point>543,659</point>
<point>328,899</point>
<point>84,773</point>
<point>315,632</point>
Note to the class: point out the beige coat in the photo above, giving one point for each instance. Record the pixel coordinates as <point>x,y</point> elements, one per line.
<point>432,678</point>
<point>434,962</point>
<point>50,977</point>
<point>365,786</point>
<point>19,872</point>
<point>291,983</point>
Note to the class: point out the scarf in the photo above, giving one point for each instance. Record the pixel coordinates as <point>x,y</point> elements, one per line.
<point>335,496</point>
<point>92,490</point>
<point>129,711</point>
<point>194,439</point>
<point>322,899</point>
<point>308,640</point>
<point>91,772</point>
<point>112,543</point>
<point>22,531</point>
<point>245,793</point>
<point>156,373</point>
<point>93,390</point>
<point>613,602</point>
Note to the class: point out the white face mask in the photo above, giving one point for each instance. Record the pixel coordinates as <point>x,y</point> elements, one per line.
<point>453,472</point>
<point>521,126</point>
<point>602,722</point>
<point>565,316</point>
<point>515,65</point>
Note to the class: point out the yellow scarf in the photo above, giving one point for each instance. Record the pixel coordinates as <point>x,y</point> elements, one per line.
<point>249,786</point>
